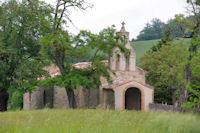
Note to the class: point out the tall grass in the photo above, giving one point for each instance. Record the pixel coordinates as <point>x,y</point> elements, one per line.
<point>97,121</point>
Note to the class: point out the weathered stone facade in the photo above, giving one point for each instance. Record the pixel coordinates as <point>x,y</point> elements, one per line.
<point>121,94</point>
<point>164,108</point>
<point>56,97</point>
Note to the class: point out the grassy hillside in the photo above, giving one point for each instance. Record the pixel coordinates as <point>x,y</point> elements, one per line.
<point>143,46</point>
<point>97,121</point>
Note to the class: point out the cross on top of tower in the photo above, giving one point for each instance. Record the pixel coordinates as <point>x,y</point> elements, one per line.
<point>123,27</point>
<point>123,31</point>
<point>123,24</point>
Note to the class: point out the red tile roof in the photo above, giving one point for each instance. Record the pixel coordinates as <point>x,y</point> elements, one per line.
<point>54,71</point>
<point>82,65</point>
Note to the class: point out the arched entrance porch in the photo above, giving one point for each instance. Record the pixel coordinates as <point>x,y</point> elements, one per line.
<point>133,99</point>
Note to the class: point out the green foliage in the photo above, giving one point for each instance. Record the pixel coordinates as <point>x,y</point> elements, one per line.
<point>87,78</point>
<point>188,92</point>
<point>194,86</point>
<point>76,48</point>
<point>177,26</point>
<point>197,2</point>
<point>165,69</point>
<point>57,45</point>
<point>16,100</point>
<point>32,35</point>
<point>142,47</point>
<point>20,62</point>
<point>63,49</point>
<point>152,31</point>
<point>164,41</point>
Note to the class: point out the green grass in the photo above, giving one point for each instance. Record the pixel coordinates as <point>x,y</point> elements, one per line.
<point>142,47</point>
<point>97,121</point>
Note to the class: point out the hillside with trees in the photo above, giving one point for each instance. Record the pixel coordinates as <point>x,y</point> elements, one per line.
<point>156,28</point>
<point>151,30</point>
<point>172,69</point>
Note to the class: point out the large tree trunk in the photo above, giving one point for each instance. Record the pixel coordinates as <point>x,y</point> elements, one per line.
<point>184,92</point>
<point>188,75</point>
<point>183,96</point>
<point>3,100</point>
<point>174,97</point>
<point>71,98</point>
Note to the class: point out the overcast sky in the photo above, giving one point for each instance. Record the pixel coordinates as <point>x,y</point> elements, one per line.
<point>135,13</point>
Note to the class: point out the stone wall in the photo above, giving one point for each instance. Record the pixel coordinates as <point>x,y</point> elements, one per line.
<point>109,99</point>
<point>169,108</point>
<point>164,107</point>
<point>60,98</point>
<point>34,100</point>
<point>87,98</point>
<point>56,97</point>
<point>93,98</point>
<point>48,97</point>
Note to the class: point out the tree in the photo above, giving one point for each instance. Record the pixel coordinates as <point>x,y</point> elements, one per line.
<point>73,48</point>
<point>62,48</point>
<point>193,27</point>
<point>56,45</point>
<point>165,70</point>
<point>152,31</point>
<point>20,62</point>
<point>176,26</point>
<point>189,26</point>
<point>194,86</point>
<point>166,40</point>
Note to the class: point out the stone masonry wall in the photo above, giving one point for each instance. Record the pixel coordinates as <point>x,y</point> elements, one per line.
<point>109,99</point>
<point>60,99</point>
<point>164,107</point>
<point>87,98</point>
<point>48,97</point>
<point>35,100</point>
<point>56,97</point>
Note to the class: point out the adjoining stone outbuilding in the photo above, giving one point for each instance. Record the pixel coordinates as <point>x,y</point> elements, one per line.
<point>128,90</point>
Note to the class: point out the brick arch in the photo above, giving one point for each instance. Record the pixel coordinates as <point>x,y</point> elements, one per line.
<point>142,95</point>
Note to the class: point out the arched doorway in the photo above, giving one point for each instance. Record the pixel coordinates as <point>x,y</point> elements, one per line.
<point>133,99</point>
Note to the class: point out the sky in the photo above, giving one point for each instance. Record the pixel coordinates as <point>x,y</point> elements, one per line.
<point>135,13</point>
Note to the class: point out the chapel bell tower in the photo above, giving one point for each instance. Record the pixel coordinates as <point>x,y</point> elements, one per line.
<point>118,61</point>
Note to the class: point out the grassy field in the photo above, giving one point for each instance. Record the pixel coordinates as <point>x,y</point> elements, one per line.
<point>97,121</point>
<point>142,46</point>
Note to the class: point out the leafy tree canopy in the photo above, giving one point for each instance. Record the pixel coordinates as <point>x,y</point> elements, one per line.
<point>152,30</point>
<point>165,70</point>
<point>20,62</point>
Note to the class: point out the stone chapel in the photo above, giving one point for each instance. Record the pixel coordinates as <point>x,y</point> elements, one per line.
<point>127,91</point>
